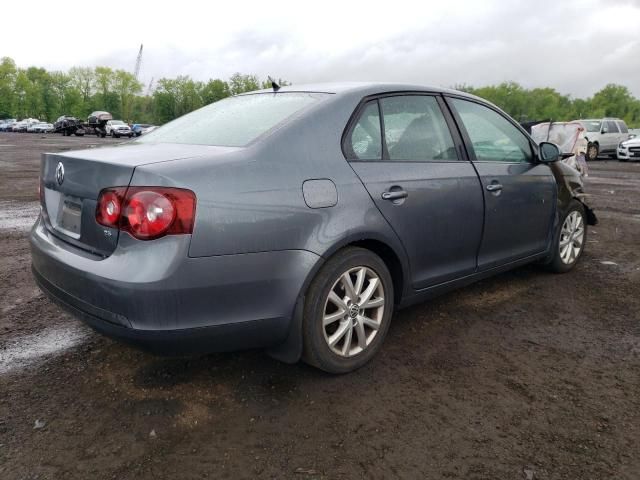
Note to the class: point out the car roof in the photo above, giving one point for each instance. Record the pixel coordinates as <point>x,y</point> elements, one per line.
<point>365,88</point>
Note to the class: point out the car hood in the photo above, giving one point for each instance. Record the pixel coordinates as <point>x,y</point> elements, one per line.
<point>634,142</point>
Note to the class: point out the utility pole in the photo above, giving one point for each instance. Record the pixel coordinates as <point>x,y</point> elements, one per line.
<point>138,62</point>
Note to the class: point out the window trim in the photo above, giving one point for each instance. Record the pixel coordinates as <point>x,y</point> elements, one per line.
<point>468,145</point>
<point>355,116</point>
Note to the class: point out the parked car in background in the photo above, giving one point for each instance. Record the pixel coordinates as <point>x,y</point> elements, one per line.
<point>298,221</point>
<point>604,136</point>
<point>42,127</point>
<point>117,128</point>
<point>19,126</point>
<point>569,137</point>
<point>629,150</point>
<point>7,126</point>
<point>142,128</point>
<point>6,123</point>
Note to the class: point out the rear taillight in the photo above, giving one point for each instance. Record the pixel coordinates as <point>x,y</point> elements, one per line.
<point>147,212</point>
<point>109,206</point>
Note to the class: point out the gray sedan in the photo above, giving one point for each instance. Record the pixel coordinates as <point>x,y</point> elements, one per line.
<point>299,219</point>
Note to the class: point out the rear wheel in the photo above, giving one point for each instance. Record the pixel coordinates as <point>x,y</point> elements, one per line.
<point>570,239</point>
<point>348,310</point>
<point>592,151</point>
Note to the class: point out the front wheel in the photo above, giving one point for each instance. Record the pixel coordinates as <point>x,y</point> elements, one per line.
<point>570,239</point>
<point>593,150</point>
<point>347,312</point>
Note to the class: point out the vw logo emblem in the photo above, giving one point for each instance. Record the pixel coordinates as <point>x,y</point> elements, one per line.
<point>60,173</point>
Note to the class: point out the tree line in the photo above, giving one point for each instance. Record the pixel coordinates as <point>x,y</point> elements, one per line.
<point>38,93</point>
<point>548,104</point>
<point>34,92</point>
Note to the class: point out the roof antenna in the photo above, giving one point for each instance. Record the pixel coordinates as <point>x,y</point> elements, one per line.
<point>274,85</point>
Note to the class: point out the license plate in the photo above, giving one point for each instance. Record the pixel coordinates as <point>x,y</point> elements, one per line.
<point>70,216</point>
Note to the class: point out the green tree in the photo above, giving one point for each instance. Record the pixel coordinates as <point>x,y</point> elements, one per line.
<point>126,87</point>
<point>8,74</point>
<point>239,83</point>
<point>215,90</point>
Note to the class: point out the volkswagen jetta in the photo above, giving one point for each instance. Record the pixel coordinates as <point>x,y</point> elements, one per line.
<point>298,220</point>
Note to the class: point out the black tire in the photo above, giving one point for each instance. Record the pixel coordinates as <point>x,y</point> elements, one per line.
<point>130,135</point>
<point>593,150</point>
<point>557,264</point>
<point>316,350</point>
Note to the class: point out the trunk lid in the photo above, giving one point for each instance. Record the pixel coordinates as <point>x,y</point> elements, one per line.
<point>72,181</point>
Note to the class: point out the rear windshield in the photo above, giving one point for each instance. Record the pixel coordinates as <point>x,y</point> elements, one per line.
<point>592,125</point>
<point>234,121</point>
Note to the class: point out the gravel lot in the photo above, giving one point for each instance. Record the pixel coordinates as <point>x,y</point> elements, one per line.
<point>528,375</point>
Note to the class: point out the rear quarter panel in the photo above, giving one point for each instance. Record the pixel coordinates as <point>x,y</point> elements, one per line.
<point>251,200</point>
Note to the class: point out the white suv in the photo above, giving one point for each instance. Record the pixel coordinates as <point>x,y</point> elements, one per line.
<point>117,128</point>
<point>604,136</point>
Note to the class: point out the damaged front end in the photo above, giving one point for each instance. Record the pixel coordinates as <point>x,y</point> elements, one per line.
<point>570,187</point>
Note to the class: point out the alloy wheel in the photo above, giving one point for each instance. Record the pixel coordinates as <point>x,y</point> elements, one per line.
<point>571,237</point>
<point>353,311</point>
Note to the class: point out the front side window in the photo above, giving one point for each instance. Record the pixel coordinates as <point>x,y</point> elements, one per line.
<point>492,136</point>
<point>234,121</point>
<point>415,129</point>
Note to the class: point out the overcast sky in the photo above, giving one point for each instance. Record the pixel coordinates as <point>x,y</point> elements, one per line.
<point>575,46</point>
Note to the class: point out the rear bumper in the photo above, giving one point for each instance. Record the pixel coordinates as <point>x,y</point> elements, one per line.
<point>153,295</point>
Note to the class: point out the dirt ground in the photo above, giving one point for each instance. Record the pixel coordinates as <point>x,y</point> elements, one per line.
<point>528,375</point>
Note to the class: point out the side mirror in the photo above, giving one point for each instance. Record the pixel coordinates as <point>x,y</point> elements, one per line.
<point>632,135</point>
<point>604,130</point>
<point>549,152</point>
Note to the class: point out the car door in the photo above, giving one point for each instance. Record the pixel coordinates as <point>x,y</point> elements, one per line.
<point>519,193</point>
<point>610,134</point>
<point>411,162</point>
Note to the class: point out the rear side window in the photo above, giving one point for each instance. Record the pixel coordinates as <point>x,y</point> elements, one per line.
<point>235,121</point>
<point>493,137</point>
<point>365,139</point>
<point>612,127</point>
<point>415,129</point>
<point>623,127</point>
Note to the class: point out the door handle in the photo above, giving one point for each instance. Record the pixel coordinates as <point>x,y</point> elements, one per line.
<point>494,187</point>
<point>394,195</point>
